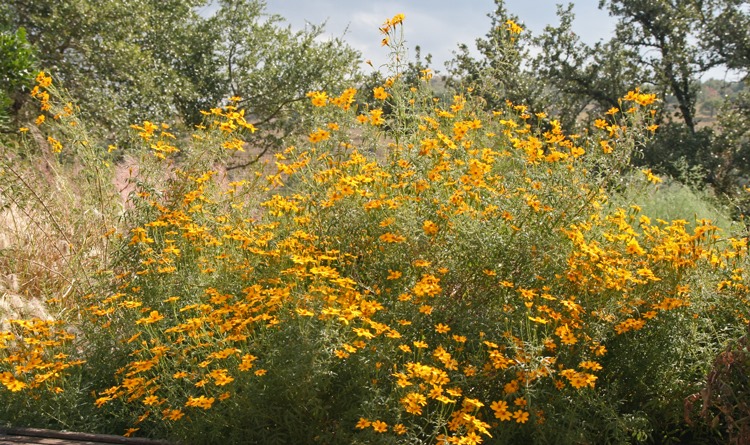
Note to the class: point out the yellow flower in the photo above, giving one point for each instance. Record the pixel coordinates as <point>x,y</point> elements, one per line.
<point>379,426</point>
<point>379,93</point>
<point>318,98</point>
<point>640,98</point>
<point>513,27</point>
<point>341,354</point>
<point>430,228</point>
<point>442,328</point>
<point>593,366</point>
<point>413,403</point>
<point>43,80</point>
<point>129,432</point>
<point>376,117</point>
<point>511,387</point>
<point>566,335</point>
<point>363,423</point>
<point>391,23</point>
<point>247,362</point>
<point>200,402</point>
<point>393,275</point>
<point>650,176</point>
<point>172,414</point>
<point>500,409</point>
<point>153,317</point>
<point>151,400</point>
<point>14,385</point>
<point>318,136</point>
<point>428,285</point>
<point>633,248</point>
<point>397,19</point>
<point>220,377</point>
<point>304,312</point>
<point>521,416</point>
<point>392,238</point>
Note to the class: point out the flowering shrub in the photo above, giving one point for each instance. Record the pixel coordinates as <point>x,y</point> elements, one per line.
<point>441,274</point>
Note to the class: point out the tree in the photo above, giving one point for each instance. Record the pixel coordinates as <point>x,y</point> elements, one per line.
<point>272,68</point>
<point>16,72</point>
<point>115,57</point>
<point>502,72</point>
<point>584,78</point>
<point>724,32</point>
<point>130,60</point>
<point>566,77</point>
<point>662,34</point>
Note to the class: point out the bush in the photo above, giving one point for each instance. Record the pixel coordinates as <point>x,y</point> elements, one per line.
<point>445,274</point>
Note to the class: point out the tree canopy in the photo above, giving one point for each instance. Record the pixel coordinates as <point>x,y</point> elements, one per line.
<point>129,60</point>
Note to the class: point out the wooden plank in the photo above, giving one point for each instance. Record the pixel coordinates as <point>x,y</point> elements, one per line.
<point>35,436</point>
<point>26,440</point>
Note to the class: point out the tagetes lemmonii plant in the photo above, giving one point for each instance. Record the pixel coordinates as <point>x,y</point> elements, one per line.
<point>473,265</point>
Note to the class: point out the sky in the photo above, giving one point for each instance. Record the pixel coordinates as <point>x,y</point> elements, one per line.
<point>437,26</point>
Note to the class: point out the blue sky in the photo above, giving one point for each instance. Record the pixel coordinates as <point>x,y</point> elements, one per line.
<point>438,26</point>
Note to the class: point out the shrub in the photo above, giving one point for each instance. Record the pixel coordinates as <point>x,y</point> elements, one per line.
<point>443,274</point>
